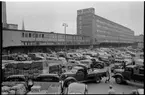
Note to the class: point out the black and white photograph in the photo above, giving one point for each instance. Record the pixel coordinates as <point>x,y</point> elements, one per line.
<point>72,47</point>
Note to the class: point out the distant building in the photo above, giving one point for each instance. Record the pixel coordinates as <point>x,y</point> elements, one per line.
<point>100,29</point>
<point>12,26</point>
<point>139,40</point>
<point>15,37</point>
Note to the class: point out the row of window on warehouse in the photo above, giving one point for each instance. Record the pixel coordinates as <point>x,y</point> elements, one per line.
<point>53,36</point>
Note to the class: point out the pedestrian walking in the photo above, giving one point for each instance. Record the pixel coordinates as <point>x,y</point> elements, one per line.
<point>111,90</point>
<point>107,75</point>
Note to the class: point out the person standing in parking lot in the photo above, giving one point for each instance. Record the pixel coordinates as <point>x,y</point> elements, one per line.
<point>107,75</point>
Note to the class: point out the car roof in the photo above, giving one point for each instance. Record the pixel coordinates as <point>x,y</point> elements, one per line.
<point>85,60</point>
<point>20,76</point>
<point>131,66</point>
<point>78,67</point>
<point>117,64</point>
<point>77,87</point>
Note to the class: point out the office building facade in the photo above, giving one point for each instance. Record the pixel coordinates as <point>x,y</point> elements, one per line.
<point>100,29</point>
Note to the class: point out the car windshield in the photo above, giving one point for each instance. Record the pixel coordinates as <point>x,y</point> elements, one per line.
<point>15,79</point>
<point>85,62</point>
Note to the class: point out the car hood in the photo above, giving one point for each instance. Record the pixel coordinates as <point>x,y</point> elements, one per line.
<point>49,87</point>
<point>76,88</point>
<point>119,70</point>
<point>68,73</point>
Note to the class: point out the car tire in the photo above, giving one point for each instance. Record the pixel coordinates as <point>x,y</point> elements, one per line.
<point>119,80</point>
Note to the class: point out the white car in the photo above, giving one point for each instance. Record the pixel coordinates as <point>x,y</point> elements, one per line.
<point>77,88</point>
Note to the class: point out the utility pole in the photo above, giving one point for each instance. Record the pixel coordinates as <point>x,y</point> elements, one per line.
<point>65,25</point>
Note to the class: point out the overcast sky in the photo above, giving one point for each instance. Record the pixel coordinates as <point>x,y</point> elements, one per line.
<point>49,16</point>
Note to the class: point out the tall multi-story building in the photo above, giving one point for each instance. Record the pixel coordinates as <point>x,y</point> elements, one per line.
<point>100,29</point>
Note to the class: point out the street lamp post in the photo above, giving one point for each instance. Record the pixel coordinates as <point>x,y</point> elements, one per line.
<point>65,25</point>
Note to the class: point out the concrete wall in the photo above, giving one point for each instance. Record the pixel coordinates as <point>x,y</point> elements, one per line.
<point>11,38</point>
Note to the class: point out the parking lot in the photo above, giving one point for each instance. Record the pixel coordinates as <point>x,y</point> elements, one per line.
<point>85,65</point>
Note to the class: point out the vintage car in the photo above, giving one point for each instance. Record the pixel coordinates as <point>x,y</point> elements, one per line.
<point>77,88</point>
<point>18,80</point>
<point>71,86</point>
<point>72,63</point>
<point>130,74</point>
<point>87,63</point>
<point>97,64</point>
<point>83,74</point>
<point>15,78</point>
<point>18,89</point>
<point>105,60</point>
<point>36,56</point>
<point>116,66</point>
<point>46,84</point>
<point>119,61</point>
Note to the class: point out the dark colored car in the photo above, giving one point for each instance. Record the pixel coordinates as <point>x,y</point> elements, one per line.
<point>49,84</point>
<point>35,56</point>
<point>97,64</point>
<point>84,74</point>
<point>131,73</point>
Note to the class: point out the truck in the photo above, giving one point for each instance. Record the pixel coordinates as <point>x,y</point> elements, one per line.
<point>31,68</point>
<point>130,74</point>
<point>83,74</point>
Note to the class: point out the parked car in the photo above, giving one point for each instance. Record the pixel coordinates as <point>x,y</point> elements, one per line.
<point>72,63</point>
<point>14,80</point>
<point>46,84</point>
<point>97,64</point>
<point>36,56</point>
<point>105,60</point>
<point>77,88</point>
<point>87,63</point>
<point>116,66</point>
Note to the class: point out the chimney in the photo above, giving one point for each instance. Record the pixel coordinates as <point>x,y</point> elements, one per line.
<point>4,15</point>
